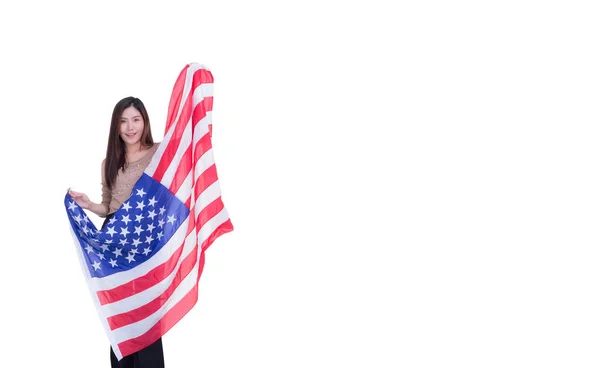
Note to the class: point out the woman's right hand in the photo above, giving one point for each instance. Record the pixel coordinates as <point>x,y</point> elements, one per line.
<point>80,198</point>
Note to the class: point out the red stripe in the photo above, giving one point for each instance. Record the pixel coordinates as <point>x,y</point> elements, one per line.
<point>202,146</point>
<point>138,314</point>
<point>206,179</point>
<point>169,320</point>
<point>173,143</point>
<point>183,170</point>
<point>176,98</point>
<point>201,109</point>
<point>209,212</point>
<point>145,282</point>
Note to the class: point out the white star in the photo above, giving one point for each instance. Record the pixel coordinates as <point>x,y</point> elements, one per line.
<point>72,205</point>
<point>138,230</point>
<point>117,252</point>
<point>113,262</point>
<point>133,251</point>
<point>89,248</point>
<point>151,214</point>
<point>104,247</point>
<point>124,232</point>
<point>150,227</point>
<point>171,219</point>
<point>136,242</point>
<point>146,251</point>
<point>159,235</point>
<point>141,205</point>
<point>111,231</point>
<point>130,257</point>
<point>161,222</point>
<point>112,220</point>
<point>85,218</point>
<point>125,219</point>
<point>152,201</point>
<point>123,242</point>
<point>149,239</point>
<point>77,218</point>
<point>140,192</point>
<point>100,255</point>
<point>162,210</point>
<point>139,218</point>
<point>126,206</point>
<point>96,265</point>
<point>108,241</point>
<point>85,230</point>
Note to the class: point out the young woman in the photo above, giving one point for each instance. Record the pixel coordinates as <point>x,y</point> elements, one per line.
<point>130,149</point>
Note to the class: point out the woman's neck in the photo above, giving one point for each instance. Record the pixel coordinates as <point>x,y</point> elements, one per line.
<point>133,149</point>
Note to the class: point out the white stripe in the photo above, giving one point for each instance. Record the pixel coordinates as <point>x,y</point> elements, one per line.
<point>207,196</point>
<point>136,329</point>
<point>202,127</point>
<point>184,143</point>
<point>204,162</point>
<point>185,190</point>
<point>203,90</point>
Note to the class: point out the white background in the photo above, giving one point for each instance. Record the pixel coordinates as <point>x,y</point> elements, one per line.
<point>411,186</point>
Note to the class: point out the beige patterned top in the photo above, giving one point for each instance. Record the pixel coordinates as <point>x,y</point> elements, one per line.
<point>125,181</point>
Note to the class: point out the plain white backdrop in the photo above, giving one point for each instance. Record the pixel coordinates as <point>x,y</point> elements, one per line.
<point>412,184</point>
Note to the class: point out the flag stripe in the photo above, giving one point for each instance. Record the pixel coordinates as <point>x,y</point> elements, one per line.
<point>209,212</point>
<point>144,282</point>
<point>174,315</point>
<point>176,97</point>
<point>147,309</point>
<point>224,228</point>
<point>208,177</point>
<point>184,168</point>
<point>202,146</point>
<point>173,144</point>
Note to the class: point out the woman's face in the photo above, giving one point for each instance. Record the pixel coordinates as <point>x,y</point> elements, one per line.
<point>132,126</point>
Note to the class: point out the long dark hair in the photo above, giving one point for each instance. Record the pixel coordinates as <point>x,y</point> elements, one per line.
<point>115,150</point>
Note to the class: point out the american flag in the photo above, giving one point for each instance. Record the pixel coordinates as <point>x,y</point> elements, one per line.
<point>143,267</point>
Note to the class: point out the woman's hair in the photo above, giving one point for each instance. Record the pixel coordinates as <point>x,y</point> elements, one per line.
<point>115,150</point>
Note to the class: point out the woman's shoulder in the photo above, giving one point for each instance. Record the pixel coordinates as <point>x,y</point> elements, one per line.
<point>152,150</point>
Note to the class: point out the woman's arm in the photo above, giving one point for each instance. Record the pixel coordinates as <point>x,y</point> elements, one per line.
<point>84,202</point>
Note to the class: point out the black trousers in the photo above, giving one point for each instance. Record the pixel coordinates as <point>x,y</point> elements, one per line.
<point>149,357</point>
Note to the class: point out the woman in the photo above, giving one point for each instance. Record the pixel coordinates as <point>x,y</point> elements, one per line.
<point>130,149</point>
